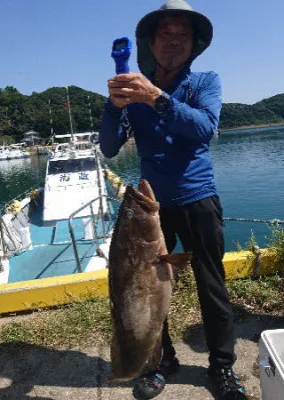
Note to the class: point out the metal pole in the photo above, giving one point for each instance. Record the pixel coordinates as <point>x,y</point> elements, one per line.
<point>101,208</point>
<point>2,237</point>
<point>70,115</point>
<point>51,123</point>
<point>98,172</point>
<point>74,244</point>
<point>90,113</point>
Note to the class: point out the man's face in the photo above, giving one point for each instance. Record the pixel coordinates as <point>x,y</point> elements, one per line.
<point>173,42</point>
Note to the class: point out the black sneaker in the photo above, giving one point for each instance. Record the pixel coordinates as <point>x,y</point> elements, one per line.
<point>152,384</point>
<point>227,384</point>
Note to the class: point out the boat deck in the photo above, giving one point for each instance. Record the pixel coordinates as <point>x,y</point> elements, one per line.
<point>52,253</point>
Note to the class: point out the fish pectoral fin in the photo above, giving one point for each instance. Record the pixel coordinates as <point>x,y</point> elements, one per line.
<point>177,260</point>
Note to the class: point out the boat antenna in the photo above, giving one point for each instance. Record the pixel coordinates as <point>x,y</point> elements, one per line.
<point>97,160</point>
<point>51,123</point>
<point>90,114</point>
<point>70,115</point>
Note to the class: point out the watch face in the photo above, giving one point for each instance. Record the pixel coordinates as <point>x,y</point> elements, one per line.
<point>162,103</point>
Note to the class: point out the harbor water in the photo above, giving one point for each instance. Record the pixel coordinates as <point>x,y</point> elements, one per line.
<point>249,172</point>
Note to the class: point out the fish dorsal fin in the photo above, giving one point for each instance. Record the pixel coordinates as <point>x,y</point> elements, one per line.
<point>177,260</point>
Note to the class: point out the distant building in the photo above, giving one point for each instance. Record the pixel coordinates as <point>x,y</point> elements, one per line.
<point>31,138</point>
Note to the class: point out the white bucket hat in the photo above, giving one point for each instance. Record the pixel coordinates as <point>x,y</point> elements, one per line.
<point>202,28</point>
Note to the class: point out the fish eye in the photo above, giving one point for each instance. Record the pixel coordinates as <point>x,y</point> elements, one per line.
<point>129,213</point>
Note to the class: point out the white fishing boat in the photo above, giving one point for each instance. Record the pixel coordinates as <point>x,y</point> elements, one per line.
<point>13,152</point>
<point>65,226</point>
<point>73,177</point>
<point>4,151</point>
<point>17,153</point>
<point>62,228</point>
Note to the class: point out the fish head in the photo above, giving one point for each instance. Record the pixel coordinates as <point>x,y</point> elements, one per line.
<point>139,213</point>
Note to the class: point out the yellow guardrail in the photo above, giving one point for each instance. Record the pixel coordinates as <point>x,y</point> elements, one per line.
<point>54,291</point>
<point>118,186</point>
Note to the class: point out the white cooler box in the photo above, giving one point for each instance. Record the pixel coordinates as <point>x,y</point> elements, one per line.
<point>271,360</point>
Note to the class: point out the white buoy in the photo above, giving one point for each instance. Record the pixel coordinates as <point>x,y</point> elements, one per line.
<point>88,229</point>
<point>26,237</point>
<point>4,270</point>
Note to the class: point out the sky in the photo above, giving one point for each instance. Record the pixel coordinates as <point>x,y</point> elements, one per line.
<point>46,43</point>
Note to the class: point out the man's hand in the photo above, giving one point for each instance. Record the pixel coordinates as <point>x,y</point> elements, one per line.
<point>132,88</point>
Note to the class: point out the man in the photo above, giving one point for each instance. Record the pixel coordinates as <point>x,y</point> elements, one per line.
<point>174,113</point>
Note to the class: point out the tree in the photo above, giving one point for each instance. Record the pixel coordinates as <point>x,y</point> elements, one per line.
<point>20,113</point>
<point>6,140</point>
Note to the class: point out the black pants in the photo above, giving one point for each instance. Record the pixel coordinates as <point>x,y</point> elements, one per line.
<point>199,228</point>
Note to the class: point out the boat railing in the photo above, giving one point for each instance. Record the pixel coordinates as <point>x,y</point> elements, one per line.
<point>3,247</point>
<point>100,218</point>
<point>7,232</point>
<point>21,197</point>
<point>6,235</point>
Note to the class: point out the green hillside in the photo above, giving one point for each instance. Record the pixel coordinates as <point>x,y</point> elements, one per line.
<point>20,113</point>
<point>266,111</point>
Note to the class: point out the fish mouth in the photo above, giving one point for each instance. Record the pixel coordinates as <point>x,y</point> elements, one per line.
<point>145,189</point>
<point>144,195</point>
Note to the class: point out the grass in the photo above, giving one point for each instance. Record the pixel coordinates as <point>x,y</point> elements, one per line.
<point>88,322</point>
<point>262,295</point>
<point>85,322</point>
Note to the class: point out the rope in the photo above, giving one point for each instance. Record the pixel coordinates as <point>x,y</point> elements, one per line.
<point>265,221</point>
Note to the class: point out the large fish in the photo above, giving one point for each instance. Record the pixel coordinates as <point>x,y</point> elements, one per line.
<point>140,283</point>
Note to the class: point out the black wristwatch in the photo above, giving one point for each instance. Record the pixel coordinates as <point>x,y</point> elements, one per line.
<point>162,103</point>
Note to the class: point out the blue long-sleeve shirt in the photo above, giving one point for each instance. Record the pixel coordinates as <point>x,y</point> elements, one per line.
<point>174,146</point>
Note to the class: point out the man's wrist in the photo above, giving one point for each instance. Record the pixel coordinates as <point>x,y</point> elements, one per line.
<point>154,95</point>
<point>112,108</point>
<point>162,104</point>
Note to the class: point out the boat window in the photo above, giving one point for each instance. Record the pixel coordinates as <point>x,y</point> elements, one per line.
<point>68,166</point>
